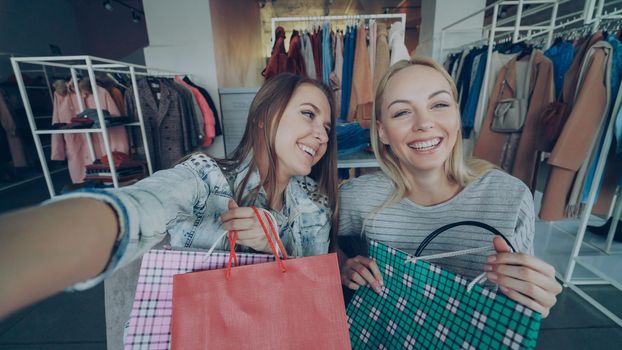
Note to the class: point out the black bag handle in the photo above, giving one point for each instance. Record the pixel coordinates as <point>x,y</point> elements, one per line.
<point>438,231</point>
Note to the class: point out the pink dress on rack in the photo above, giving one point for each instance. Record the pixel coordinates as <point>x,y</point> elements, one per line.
<point>74,147</point>
<point>117,135</point>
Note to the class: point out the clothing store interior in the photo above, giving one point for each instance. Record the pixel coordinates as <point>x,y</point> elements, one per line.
<point>101,94</point>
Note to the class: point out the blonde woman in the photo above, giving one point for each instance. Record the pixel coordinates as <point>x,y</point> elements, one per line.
<point>426,183</point>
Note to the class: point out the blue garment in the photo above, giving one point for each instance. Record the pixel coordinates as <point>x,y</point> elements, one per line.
<point>327,58</point>
<point>187,201</point>
<point>348,63</point>
<point>561,55</point>
<point>616,75</point>
<point>351,138</point>
<point>470,108</point>
<point>464,80</point>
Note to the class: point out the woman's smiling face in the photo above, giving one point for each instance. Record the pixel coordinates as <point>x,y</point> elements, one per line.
<point>420,119</point>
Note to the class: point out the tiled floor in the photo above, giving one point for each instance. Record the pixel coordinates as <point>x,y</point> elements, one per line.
<point>77,320</point>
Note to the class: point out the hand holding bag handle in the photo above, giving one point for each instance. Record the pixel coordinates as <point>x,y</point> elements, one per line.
<point>440,230</point>
<point>482,277</point>
<point>233,236</point>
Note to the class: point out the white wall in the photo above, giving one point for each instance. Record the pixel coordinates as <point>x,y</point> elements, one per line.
<point>181,39</point>
<point>436,14</point>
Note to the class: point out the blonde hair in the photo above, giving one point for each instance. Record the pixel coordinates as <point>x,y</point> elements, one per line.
<point>458,169</point>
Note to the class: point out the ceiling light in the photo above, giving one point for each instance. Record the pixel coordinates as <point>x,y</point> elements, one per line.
<point>107,5</point>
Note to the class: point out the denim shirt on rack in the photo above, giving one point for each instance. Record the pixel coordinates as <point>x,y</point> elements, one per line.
<point>186,202</point>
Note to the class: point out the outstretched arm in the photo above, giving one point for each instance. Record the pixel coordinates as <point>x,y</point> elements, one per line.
<point>45,249</point>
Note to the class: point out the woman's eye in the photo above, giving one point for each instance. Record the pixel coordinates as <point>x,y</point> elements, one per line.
<point>440,105</point>
<point>308,114</point>
<point>399,114</point>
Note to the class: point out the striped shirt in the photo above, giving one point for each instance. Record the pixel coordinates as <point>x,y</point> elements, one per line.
<point>496,198</point>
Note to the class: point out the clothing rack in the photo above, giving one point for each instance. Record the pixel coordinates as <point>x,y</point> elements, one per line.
<point>46,76</point>
<point>602,266</point>
<point>90,64</point>
<point>275,20</point>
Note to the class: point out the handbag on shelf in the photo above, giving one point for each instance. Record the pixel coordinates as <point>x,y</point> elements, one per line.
<point>424,306</point>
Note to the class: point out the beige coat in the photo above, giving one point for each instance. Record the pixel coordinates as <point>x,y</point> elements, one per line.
<point>575,141</point>
<point>491,145</point>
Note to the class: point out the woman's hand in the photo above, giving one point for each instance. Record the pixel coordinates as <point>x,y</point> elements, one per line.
<point>250,231</point>
<point>361,271</point>
<point>523,277</point>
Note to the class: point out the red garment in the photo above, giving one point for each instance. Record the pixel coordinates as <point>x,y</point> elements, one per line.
<point>278,59</point>
<point>117,158</point>
<point>208,114</point>
<point>295,60</point>
<point>316,45</point>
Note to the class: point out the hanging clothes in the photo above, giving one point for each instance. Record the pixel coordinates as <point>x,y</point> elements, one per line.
<point>72,147</point>
<point>16,148</point>
<point>348,61</point>
<point>336,75</point>
<point>561,54</point>
<point>162,116</point>
<point>190,125</point>
<point>396,42</point>
<point>614,85</point>
<point>295,61</point>
<point>362,100</point>
<point>382,60</point>
<point>517,150</point>
<point>498,61</point>
<point>371,53</point>
<point>316,45</point>
<point>307,53</point>
<point>470,107</point>
<point>576,140</point>
<point>117,97</point>
<point>327,57</point>
<point>209,120</point>
<point>278,58</point>
<point>210,102</point>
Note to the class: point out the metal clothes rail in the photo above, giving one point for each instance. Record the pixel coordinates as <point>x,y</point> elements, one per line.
<point>90,64</point>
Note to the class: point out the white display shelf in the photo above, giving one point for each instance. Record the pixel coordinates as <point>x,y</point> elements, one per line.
<point>357,160</point>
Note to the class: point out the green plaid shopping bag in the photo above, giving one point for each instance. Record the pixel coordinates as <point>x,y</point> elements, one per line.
<point>426,307</point>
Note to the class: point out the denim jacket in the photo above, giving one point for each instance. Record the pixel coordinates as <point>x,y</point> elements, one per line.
<point>187,201</point>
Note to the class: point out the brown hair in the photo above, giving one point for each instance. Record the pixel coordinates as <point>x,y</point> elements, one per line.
<point>458,169</point>
<point>267,109</point>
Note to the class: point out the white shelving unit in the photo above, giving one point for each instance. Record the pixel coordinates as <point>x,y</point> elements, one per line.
<point>90,65</point>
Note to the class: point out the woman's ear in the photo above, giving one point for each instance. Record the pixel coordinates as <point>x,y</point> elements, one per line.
<point>260,124</point>
<point>381,133</point>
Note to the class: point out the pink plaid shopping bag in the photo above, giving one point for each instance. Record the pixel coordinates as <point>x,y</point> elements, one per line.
<point>150,319</point>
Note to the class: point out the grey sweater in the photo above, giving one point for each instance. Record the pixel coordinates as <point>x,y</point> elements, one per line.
<point>496,198</point>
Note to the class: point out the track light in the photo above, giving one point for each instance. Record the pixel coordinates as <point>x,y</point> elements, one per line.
<point>135,17</point>
<point>107,5</point>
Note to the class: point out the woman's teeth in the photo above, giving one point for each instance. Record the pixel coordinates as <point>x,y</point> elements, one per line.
<point>425,145</point>
<point>307,149</point>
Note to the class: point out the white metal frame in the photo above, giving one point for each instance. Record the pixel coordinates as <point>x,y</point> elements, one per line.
<point>90,64</point>
<point>275,20</point>
<point>591,15</point>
